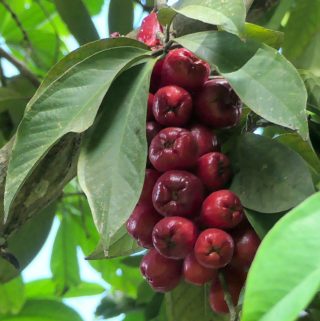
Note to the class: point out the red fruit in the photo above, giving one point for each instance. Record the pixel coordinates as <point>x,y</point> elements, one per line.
<point>141,223</point>
<point>163,274</point>
<point>150,179</point>
<point>152,129</point>
<point>149,109</point>
<point>150,27</point>
<point>178,193</point>
<point>214,248</point>
<point>206,140</point>
<point>173,148</point>
<point>217,301</point>
<point>174,237</point>
<point>195,273</point>
<point>221,209</point>
<point>214,170</point>
<point>182,68</point>
<point>217,105</point>
<point>156,76</point>
<point>246,244</point>
<point>172,106</point>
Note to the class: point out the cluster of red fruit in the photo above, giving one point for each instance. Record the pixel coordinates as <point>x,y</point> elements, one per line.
<point>190,223</point>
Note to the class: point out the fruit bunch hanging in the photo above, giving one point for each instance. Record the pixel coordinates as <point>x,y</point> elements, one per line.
<point>193,226</point>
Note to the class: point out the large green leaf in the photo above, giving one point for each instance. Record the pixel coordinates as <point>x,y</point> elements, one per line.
<point>190,303</point>
<point>76,16</point>
<point>300,31</point>
<point>68,103</point>
<point>112,162</point>
<point>272,177</point>
<point>64,261</point>
<point>264,80</point>
<point>230,15</point>
<point>285,274</point>
<point>11,99</point>
<point>12,296</point>
<point>120,16</point>
<point>44,310</point>
<point>23,246</point>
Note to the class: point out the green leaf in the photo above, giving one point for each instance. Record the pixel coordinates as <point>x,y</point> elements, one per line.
<point>230,15</point>
<point>120,17</point>
<point>300,31</point>
<point>112,162</point>
<point>190,303</point>
<point>44,310</point>
<point>64,261</point>
<point>68,101</point>
<point>94,7</point>
<point>272,178</point>
<point>45,288</point>
<point>264,80</point>
<point>11,99</point>
<point>166,15</point>
<point>270,37</point>
<point>24,247</point>
<point>285,274</point>
<point>312,83</point>
<point>12,296</point>
<point>262,222</point>
<point>77,18</point>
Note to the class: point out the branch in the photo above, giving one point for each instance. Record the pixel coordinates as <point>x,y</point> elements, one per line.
<point>3,79</point>
<point>21,67</point>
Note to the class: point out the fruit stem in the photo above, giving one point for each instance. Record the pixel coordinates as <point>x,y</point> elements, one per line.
<point>227,297</point>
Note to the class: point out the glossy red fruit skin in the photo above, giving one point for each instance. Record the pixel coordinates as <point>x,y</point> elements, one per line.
<point>178,193</point>
<point>155,81</point>
<point>150,27</point>
<point>173,148</point>
<point>174,237</point>
<point>216,299</point>
<point>149,107</point>
<point>172,106</point>
<point>221,209</point>
<point>216,105</point>
<point>214,170</point>
<point>162,274</point>
<point>150,180</point>
<point>206,140</point>
<point>214,248</point>
<point>141,223</point>
<point>195,273</point>
<point>182,68</point>
<point>152,129</point>
<point>246,244</point>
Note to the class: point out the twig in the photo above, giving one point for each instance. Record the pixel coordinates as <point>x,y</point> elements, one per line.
<point>17,21</point>
<point>145,7</point>
<point>227,297</point>
<point>21,67</point>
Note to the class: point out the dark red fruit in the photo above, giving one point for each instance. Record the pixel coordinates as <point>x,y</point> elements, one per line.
<point>214,248</point>
<point>195,273</point>
<point>178,193</point>
<point>222,209</point>
<point>173,148</point>
<point>150,180</point>
<point>174,237</point>
<point>149,108</point>
<point>156,76</point>
<point>217,105</point>
<point>206,140</point>
<point>172,106</point>
<point>234,284</point>
<point>152,129</point>
<point>182,68</point>
<point>150,27</point>
<point>141,223</point>
<point>214,170</point>
<point>163,274</point>
<point>246,244</point>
